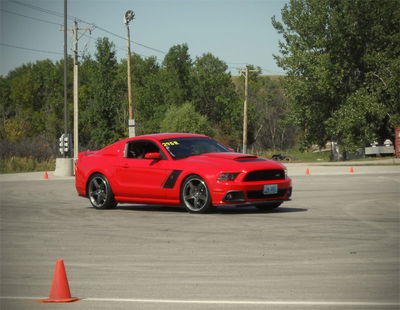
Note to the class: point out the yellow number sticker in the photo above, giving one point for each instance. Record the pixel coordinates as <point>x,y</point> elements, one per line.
<point>170,143</point>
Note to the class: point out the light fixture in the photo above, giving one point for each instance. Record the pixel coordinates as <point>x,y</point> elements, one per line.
<point>129,16</point>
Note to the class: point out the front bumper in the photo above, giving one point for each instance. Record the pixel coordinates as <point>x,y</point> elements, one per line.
<point>250,193</point>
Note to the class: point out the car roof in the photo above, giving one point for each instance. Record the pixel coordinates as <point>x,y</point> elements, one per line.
<point>164,136</point>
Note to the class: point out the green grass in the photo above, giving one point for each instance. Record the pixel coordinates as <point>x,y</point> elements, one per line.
<point>25,164</point>
<point>297,156</point>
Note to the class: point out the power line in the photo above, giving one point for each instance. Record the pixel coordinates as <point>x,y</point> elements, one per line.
<point>34,7</point>
<point>118,47</point>
<point>30,49</point>
<point>30,17</point>
<point>37,8</point>
<point>236,63</point>
<point>137,43</point>
<point>272,71</point>
<point>55,13</point>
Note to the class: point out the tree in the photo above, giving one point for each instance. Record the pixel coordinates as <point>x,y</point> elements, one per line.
<point>342,63</point>
<point>185,118</point>
<point>175,76</point>
<point>214,96</point>
<point>149,100</point>
<point>212,87</point>
<point>269,124</point>
<point>268,112</point>
<point>103,115</point>
<point>32,101</point>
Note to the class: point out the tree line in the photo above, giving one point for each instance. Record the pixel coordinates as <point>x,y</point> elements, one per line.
<point>177,95</point>
<point>342,64</point>
<point>342,59</point>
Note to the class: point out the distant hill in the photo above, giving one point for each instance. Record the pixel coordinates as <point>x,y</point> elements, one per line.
<point>276,78</point>
<point>272,77</point>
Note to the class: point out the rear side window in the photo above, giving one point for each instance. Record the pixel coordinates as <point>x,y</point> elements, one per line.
<point>138,149</point>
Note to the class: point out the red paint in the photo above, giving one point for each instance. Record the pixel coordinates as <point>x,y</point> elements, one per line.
<point>144,180</point>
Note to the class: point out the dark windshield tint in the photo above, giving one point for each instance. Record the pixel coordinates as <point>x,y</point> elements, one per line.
<point>185,147</point>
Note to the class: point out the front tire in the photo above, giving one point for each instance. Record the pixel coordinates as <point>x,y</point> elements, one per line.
<point>195,195</point>
<point>100,193</point>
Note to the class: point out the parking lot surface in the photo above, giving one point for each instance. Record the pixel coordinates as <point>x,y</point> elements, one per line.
<point>336,245</point>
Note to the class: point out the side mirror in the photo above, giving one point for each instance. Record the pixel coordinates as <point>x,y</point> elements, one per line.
<point>152,156</point>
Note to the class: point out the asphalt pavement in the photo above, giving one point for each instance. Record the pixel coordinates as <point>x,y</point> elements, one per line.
<point>336,245</point>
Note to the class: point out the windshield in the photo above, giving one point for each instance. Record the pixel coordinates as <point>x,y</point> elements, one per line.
<point>185,147</point>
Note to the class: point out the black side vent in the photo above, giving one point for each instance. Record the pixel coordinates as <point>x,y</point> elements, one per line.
<point>264,175</point>
<point>171,180</point>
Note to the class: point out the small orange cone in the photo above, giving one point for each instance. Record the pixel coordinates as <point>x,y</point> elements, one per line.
<point>59,292</point>
<point>46,176</point>
<point>308,171</point>
<point>351,170</point>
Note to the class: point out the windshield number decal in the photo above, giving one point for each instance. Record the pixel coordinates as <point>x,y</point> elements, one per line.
<point>170,143</point>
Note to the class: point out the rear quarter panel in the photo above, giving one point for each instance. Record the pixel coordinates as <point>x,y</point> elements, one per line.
<point>104,161</point>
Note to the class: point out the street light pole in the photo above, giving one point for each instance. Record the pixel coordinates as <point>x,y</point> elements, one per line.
<point>129,16</point>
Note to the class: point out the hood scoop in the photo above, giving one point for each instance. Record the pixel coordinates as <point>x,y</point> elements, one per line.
<point>245,157</point>
<point>235,156</point>
<point>249,158</point>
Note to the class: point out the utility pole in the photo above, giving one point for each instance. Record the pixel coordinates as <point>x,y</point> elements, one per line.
<point>76,139</point>
<point>76,64</point>
<point>65,73</point>
<point>246,82</point>
<point>129,16</point>
<point>64,165</point>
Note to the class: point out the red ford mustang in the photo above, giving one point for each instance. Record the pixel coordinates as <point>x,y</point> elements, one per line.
<point>190,170</point>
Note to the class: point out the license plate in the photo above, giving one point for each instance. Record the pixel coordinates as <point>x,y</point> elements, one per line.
<point>270,189</point>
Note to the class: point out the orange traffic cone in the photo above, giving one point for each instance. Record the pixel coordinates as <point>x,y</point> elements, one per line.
<point>46,176</point>
<point>351,170</point>
<point>308,171</point>
<point>59,292</point>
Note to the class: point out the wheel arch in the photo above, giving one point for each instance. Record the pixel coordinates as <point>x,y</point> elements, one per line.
<point>207,206</point>
<point>188,175</point>
<point>207,179</point>
<point>103,192</point>
<point>90,176</point>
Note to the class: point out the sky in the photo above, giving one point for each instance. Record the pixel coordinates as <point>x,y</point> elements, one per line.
<point>238,32</point>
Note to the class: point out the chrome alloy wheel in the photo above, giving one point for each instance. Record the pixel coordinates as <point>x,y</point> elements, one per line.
<point>98,191</point>
<point>195,195</point>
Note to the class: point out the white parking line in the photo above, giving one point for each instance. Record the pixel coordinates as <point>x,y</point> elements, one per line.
<point>228,302</point>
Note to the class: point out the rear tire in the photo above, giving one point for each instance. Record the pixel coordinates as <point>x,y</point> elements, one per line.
<point>100,193</point>
<point>195,195</point>
<point>269,206</point>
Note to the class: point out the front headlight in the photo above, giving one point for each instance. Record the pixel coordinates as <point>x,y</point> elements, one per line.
<point>231,176</point>
<point>286,175</point>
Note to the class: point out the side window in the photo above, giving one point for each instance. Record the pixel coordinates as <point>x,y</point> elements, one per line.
<point>138,149</point>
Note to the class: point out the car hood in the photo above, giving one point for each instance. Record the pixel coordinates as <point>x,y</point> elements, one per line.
<point>235,161</point>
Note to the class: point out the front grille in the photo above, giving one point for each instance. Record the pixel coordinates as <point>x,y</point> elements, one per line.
<point>260,195</point>
<point>264,175</point>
